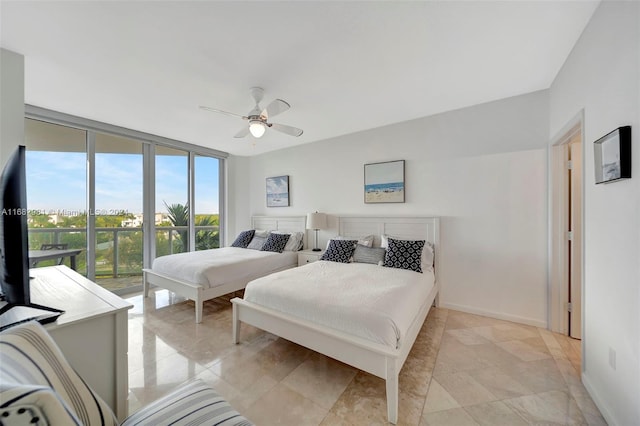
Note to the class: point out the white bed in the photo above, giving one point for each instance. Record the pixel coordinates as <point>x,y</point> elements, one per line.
<point>204,275</point>
<point>336,326</point>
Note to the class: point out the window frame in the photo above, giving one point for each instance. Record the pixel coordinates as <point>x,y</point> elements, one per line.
<point>149,143</point>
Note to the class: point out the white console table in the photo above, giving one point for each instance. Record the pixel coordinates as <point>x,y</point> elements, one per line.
<point>92,333</point>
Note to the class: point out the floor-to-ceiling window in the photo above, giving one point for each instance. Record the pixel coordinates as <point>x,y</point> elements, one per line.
<point>122,196</point>
<point>172,201</point>
<point>56,169</point>
<point>206,200</point>
<point>118,211</point>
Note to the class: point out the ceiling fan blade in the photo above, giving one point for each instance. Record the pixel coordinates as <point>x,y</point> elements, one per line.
<point>289,130</point>
<point>223,112</point>
<point>274,108</point>
<point>242,133</point>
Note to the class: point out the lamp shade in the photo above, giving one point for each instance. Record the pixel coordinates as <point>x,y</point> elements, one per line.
<point>316,220</point>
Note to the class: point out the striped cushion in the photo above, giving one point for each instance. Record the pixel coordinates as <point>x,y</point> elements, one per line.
<point>31,357</point>
<point>192,404</point>
<point>27,402</point>
<point>364,254</point>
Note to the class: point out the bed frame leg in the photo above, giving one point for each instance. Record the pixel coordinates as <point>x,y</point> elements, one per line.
<point>392,391</point>
<point>235,333</point>
<point>436,300</point>
<point>199,308</point>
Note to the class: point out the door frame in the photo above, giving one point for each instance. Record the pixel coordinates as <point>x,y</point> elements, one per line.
<point>558,205</point>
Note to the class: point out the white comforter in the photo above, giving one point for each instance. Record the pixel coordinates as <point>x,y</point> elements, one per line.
<point>215,267</point>
<point>369,301</point>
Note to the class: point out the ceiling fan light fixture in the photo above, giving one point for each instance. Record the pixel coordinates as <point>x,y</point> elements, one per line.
<point>258,117</point>
<point>257,128</point>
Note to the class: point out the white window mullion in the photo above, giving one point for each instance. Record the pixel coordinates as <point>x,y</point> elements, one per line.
<point>192,214</point>
<point>222,222</point>
<point>149,205</point>
<point>91,205</point>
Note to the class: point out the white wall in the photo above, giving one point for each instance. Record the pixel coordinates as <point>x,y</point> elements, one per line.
<point>481,169</point>
<point>236,203</point>
<point>602,76</point>
<point>11,102</point>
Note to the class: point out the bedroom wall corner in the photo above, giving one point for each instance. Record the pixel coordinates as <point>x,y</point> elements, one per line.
<point>602,76</point>
<point>237,203</point>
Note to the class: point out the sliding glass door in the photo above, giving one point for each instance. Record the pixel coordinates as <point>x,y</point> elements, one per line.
<point>118,212</point>
<point>172,201</point>
<point>122,197</point>
<point>56,165</point>
<point>207,202</point>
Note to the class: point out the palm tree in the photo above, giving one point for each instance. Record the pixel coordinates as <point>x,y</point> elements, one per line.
<point>179,216</point>
<point>206,239</point>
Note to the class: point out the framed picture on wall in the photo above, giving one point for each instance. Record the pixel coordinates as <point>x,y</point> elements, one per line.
<point>384,182</point>
<point>278,191</point>
<point>612,155</point>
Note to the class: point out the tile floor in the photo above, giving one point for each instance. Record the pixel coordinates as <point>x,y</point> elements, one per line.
<point>463,370</point>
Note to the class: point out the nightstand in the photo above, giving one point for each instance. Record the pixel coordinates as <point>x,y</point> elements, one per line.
<point>308,256</point>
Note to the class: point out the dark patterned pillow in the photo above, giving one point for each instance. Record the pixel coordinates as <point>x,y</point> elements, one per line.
<point>339,251</point>
<point>243,239</point>
<point>364,254</point>
<point>275,242</point>
<point>404,254</point>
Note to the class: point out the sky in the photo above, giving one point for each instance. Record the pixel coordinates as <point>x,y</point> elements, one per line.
<point>56,182</point>
<point>389,172</point>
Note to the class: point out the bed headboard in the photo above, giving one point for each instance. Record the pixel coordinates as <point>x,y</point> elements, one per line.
<point>422,228</point>
<point>280,223</point>
<point>414,228</point>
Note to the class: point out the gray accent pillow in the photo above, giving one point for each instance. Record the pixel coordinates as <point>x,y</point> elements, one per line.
<point>257,242</point>
<point>364,254</point>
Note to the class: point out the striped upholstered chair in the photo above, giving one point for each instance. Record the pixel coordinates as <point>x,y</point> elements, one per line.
<point>38,386</point>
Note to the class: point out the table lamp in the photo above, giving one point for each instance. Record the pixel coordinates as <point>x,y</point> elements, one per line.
<point>316,221</point>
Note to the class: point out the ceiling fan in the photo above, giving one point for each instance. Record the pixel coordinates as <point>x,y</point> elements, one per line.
<point>257,117</point>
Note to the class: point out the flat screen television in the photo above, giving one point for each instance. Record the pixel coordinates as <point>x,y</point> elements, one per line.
<point>14,247</point>
<point>14,244</point>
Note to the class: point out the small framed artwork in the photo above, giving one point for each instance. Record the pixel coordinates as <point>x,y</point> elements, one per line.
<point>612,155</point>
<point>384,182</point>
<point>278,191</point>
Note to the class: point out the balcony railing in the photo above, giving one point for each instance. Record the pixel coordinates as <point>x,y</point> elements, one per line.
<point>119,249</point>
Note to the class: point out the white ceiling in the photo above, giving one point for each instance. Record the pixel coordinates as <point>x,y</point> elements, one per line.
<point>343,66</point>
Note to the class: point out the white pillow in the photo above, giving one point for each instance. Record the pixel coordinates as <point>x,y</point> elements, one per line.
<point>295,240</point>
<point>426,259</point>
<point>366,241</point>
<point>264,233</point>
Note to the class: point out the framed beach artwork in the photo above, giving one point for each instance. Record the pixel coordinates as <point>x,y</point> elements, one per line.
<point>278,191</point>
<point>384,182</point>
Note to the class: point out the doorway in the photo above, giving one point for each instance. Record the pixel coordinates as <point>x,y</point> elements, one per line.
<point>566,231</point>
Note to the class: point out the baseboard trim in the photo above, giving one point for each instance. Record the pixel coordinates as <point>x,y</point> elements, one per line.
<point>595,397</point>
<point>496,315</point>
